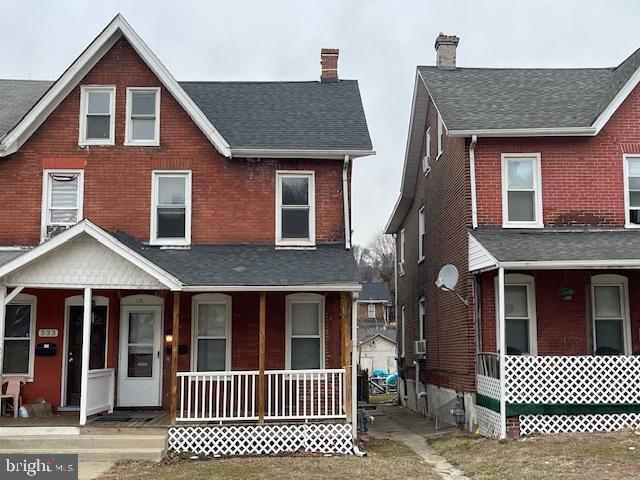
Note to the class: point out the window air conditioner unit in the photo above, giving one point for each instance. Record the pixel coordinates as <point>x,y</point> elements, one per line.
<point>420,348</point>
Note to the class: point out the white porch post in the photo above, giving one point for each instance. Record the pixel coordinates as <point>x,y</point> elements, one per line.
<point>3,309</point>
<point>354,364</point>
<point>502,351</point>
<point>86,333</point>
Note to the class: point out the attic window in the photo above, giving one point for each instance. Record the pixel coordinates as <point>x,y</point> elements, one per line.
<point>97,113</point>
<point>143,116</point>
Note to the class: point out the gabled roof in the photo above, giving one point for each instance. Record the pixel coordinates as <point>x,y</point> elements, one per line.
<point>374,291</point>
<point>252,119</point>
<point>365,334</point>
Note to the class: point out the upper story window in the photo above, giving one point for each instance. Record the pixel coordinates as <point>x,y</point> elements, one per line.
<point>426,160</point>
<point>62,193</point>
<point>97,115</point>
<point>211,314</point>
<point>142,126</point>
<point>295,208</point>
<point>171,208</point>
<point>421,234</point>
<point>422,318</point>
<point>440,134</point>
<point>632,190</point>
<point>371,310</point>
<point>402,260</point>
<point>304,331</point>
<point>521,191</point>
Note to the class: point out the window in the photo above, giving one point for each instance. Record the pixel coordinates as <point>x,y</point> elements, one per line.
<point>171,208</point>
<point>62,192</point>
<point>371,310</point>
<point>19,336</point>
<point>305,331</point>
<point>402,332</point>
<point>521,191</point>
<point>440,133</point>
<point>211,327</point>
<point>520,315</point>
<point>426,167</point>
<point>295,208</point>
<point>401,269</point>
<point>632,190</point>
<point>143,116</point>
<point>422,318</point>
<point>611,330</point>
<point>421,235</point>
<point>97,113</point>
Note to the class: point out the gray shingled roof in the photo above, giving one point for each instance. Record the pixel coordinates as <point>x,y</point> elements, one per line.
<point>251,265</point>
<point>284,115</point>
<point>16,98</point>
<point>506,98</point>
<point>252,115</point>
<point>7,255</point>
<point>374,291</point>
<point>366,333</point>
<point>556,245</point>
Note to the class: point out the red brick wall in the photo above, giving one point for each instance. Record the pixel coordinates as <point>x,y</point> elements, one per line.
<point>568,164</point>
<point>233,200</point>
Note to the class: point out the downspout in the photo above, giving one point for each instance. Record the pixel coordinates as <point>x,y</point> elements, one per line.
<point>472,174</point>
<point>345,194</point>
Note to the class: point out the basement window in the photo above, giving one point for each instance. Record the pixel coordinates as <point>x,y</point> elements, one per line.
<point>97,115</point>
<point>171,208</point>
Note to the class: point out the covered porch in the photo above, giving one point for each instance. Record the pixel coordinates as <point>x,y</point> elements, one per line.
<point>558,324</point>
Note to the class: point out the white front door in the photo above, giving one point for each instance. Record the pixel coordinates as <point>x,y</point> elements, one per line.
<point>140,378</point>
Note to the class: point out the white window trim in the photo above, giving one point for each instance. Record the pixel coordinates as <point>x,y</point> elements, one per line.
<point>440,133</point>
<point>426,159</point>
<point>519,279</point>
<point>128,128</point>
<point>402,258</point>
<point>422,317</point>
<point>154,240</point>
<point>403,332</point>
<point>32,301</point>
<point>616,280</point>
<point>627,201</point>
<point>304,298</point>
<point>218,299</point>
<point>311,242</point>
<point>537,184</point>
<point>421,234</point>
<point>44,208</point>
<point>84,104</point>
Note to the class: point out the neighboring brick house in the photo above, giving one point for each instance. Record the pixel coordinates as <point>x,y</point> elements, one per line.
<point>525,180</point>
<point>373,305</point>
<point>203,227</point>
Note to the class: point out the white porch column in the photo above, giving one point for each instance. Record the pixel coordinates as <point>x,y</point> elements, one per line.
<point>502,351</point>
<point>86,343</point>
<point>3,310</point>
<point>354,364</point>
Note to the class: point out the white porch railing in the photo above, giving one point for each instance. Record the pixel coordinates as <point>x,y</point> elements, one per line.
<point>289,395</point>
<point>100,391</point>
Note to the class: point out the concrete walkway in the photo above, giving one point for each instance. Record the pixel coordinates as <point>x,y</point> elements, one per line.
<point>92,470</point>
<point>404,426</point>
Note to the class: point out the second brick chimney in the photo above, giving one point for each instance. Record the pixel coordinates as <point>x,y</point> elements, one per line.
<point>446,50</point>
<point>329,63</point>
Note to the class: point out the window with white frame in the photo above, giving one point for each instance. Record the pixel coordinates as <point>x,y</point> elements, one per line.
<point>295,208</point>
<point>521,191</point>
<point>143,116</point>
<point>97,115</point>
<point>211,327</point>
<point>19,336</point>
<point>401,266</point>
<point>62,199</point>
<point>632,190</point>
<point>402,332</point>
<point>305,331</point>
<point>440,134</point>
<point>421,234</point>
<point>611,329</point>
<point>371,310</point>
<point>171,208</point>
<point>426,159</point>
<point>422,318</point>
<point>520,315</point>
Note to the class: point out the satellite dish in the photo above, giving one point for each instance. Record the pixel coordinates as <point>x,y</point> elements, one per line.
<point>447,277</point>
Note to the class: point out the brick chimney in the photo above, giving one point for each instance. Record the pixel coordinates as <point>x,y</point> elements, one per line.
<point>446,50</point>
<point>329,63</point>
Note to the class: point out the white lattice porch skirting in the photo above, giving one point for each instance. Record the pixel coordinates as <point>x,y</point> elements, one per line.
<point>235,440</point>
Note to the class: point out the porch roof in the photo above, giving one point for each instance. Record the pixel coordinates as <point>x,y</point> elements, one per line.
<point>553,248</point>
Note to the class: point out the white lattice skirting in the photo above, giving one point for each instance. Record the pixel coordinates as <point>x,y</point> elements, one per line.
<point>234,440</point>
<point>487,386</point>
<point>488,421</point>
<point>531,424</point>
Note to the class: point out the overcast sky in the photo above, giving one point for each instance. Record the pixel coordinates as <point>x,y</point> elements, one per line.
<point>380,41</point>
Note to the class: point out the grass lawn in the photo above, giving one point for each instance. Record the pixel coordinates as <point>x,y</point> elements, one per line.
<point>566,456</point>
<point>387,460</point>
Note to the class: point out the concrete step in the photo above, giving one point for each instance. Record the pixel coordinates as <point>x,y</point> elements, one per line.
<point>121,442</point>
<point>97,454</point>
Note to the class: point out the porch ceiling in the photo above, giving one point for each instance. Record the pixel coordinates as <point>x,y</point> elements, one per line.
<point>554,248</point>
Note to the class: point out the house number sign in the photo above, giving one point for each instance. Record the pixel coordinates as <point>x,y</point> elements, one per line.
<point>48,332</point>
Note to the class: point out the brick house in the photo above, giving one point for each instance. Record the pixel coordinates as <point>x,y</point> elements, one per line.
<point>181,246</point>
<point>523,179</point>
<point>373,305</point>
